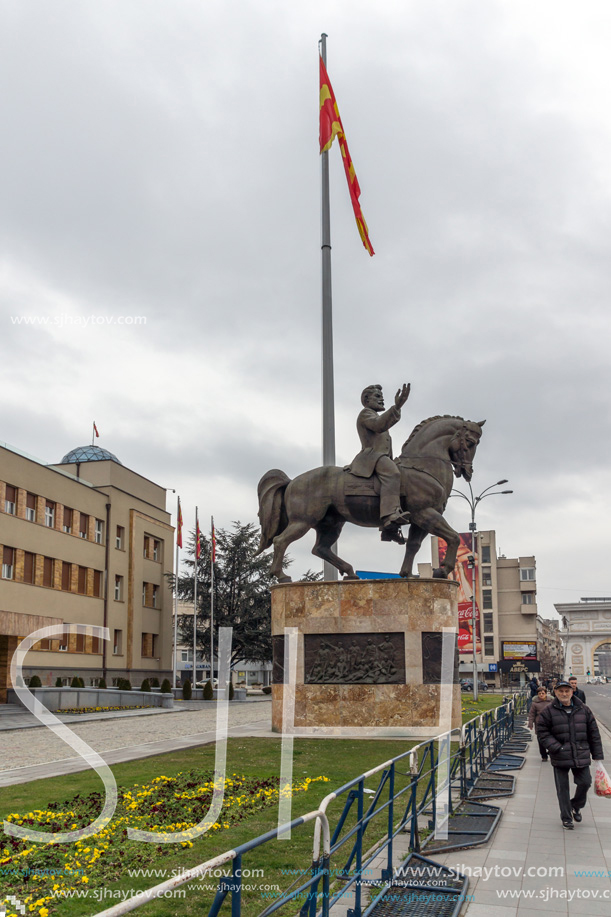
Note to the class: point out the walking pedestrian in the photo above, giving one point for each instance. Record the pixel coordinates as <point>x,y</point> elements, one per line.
<point>568,730</point>
<point>534,686</point>
<point>577,692</point>
<point>540,702</point>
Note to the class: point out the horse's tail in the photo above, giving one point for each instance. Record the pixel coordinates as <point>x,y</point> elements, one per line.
<point>272,514</point>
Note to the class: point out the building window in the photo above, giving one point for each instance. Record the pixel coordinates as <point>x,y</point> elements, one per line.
<point>83,525</point>
<point>97,584</point>
<point>485,549</point>
<point>66,576</point>
<point>120,538</point>
<point>80,643</point>
<point>47,572</point>
<point>10,500</point>
<point>49,514</point>
<point>156,550</point>
<point>68,514</point>
<point>99,531</point>
<point>63,643</point>
<point>118,588</point>
<point>487,598</point>
<point>96,646</point>
<point>30,507</point>
<point>82,580</point>
<point>147,646</point>
<point>488,646</point>
<point>185,655</point>
<point>486,578</point>
<point>488,622</point>
<point>144,585</point>
<point>117,645</point>
<point>29,567</point>
<point>155,601</point>
<point>43,645</point>
<point>8,563</point>
<point>145,551</point>
<point>527,574</point>
<point>528,598</point>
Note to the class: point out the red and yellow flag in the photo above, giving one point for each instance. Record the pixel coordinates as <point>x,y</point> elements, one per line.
<point>179,525</point>
<point>198,547</point>
<point>213,541</point>
<point>331,127</point>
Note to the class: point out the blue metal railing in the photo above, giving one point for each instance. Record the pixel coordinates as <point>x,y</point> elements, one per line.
<point>403,802</point>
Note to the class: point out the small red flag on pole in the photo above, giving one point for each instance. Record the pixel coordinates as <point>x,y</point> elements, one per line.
<point>198,547</point>
<point>95,429</point>
<point>213,540</point>
<point>331,127</point>
<point>179,526</point>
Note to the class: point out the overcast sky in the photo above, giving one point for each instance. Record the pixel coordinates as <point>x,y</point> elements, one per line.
<point>159,159</point>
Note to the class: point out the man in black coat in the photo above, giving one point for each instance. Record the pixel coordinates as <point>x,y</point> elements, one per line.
<point>577,692</point>
<point>569,732</point>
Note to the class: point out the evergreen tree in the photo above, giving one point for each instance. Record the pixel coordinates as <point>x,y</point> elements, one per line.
<point>242,597</point>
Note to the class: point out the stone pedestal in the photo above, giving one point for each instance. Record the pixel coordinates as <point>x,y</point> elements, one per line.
<point>368,658</point>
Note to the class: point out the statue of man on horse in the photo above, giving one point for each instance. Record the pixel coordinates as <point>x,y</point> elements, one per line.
<point>375,490</point>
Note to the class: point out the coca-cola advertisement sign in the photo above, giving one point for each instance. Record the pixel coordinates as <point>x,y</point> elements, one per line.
<point>464,577</point>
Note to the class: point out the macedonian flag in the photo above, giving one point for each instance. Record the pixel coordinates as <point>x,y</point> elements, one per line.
<point>331,127</point>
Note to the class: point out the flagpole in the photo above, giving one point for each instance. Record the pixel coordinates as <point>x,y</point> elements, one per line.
<point>195,600</point>
<point>212,601</point>
<point>328,394</point>
<point>93,433</point>
<point>174,663</point>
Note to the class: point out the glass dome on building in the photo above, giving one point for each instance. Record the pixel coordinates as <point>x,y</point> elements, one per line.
<point>89,454</point>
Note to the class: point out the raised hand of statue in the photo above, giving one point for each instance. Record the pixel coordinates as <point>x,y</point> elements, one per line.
<point>402,395</point>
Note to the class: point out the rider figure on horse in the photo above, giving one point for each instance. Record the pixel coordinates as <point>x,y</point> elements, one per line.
<point>376,456</point>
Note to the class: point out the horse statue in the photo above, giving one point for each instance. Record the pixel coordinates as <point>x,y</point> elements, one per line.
<point>324,499</point>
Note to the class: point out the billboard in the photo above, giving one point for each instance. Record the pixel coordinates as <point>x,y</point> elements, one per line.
<point>512,649</point>
<point>464,577</point>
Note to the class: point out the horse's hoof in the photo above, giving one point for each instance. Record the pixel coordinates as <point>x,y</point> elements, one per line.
<point>439,573</point>
<point>351,576</point>
<point>284,579</point>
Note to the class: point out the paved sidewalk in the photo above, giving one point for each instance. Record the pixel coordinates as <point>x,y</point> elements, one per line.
<point>40,753</point>
<point>530,836</point>
<point>14,716</point>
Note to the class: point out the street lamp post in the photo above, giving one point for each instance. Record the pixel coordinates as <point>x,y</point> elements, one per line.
<point>473,502</point>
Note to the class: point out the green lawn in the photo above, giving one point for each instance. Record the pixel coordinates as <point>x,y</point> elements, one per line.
<point>485,701</point>
<point>338,759</point>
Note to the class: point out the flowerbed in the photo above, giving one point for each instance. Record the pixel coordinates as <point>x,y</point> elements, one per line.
<point>71,710</point>
<point>40,873</point>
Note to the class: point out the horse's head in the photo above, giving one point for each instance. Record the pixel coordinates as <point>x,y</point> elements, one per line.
<point>462,447</point>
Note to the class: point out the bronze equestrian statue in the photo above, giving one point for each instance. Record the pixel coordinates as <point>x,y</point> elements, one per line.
<point>326,498</point>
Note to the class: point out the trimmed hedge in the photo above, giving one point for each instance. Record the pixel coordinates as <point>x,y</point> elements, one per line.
<point>186,690</point>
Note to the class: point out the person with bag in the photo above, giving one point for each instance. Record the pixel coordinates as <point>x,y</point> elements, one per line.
<point>568,731</point>
<point>540,702</point>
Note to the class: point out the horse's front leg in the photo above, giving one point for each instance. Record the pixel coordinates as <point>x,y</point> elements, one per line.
<point>434,524</point>
<point>412,546</point>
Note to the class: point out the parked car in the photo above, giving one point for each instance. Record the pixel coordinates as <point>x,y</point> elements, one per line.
<point>466,684</point>
<point>202,684</point>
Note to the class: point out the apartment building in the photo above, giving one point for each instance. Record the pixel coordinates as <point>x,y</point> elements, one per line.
<point>550,648</point>
<point>85,541</point>
<point>506,610</point>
